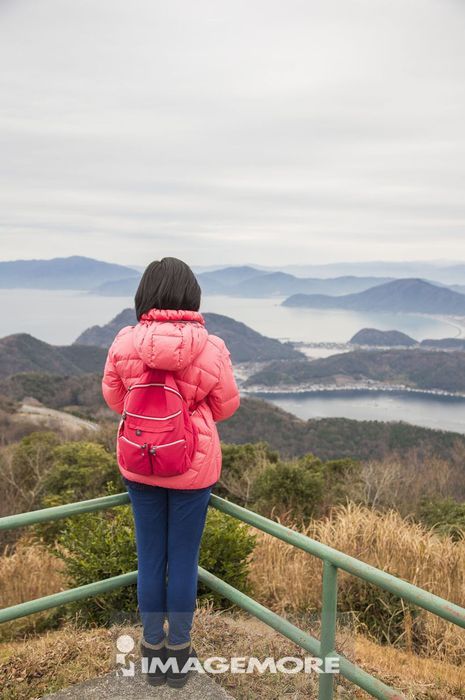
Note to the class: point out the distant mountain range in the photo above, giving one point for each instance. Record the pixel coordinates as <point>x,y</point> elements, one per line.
<point>75,272</point>
<point>273,284</point>
<point>245,344</point>
<point>392,339</point>
<point>447,273</point>
<point>342,279</point>
<point>252,283</point>
<point>405,295</point>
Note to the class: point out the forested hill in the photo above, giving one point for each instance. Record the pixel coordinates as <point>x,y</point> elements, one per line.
<point>245,344</point>
<point>416,368</point>
<point>22,352</point>
<point>377,338</point>
<point>404,295</point>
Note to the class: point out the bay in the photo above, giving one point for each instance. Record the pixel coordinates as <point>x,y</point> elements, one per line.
<point>426,410</point>
<point>58,317</point>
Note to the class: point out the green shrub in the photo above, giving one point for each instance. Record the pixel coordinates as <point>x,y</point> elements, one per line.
<point>95,546</point>
<point>82,469</point>
<point>289,487</point>
<point>444,515</point>
<point>225,552</point>
<point>306,487</point>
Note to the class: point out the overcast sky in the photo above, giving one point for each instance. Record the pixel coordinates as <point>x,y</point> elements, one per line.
<point>262,131</point>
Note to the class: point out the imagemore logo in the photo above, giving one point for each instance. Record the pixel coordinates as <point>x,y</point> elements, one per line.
<point>220,664</point>
<point>124,657</point>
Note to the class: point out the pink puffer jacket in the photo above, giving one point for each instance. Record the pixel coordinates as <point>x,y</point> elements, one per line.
<point>179,342</point>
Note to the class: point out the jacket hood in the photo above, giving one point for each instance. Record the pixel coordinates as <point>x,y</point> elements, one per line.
<point>170,339</point>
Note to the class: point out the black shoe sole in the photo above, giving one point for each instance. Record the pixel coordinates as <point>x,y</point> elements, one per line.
<point>178,682</point>
<point>156,680</point>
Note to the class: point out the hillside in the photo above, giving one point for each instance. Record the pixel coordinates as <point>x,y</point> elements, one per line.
<point>44,418</point>
<point>420,369</point>
<point>377,338</point>
<point>75,272</point>
<point>460,288</point>
<point>444,343</point>
<point>245,344</point>
<point>22,352</point>
<point>405,295</point>
<point>81,391</point>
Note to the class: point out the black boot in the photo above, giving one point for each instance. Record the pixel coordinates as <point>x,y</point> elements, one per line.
<point>176,677</point>
<point>155,654</point>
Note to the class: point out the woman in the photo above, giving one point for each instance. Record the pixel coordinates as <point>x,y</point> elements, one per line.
<point>169,511</point>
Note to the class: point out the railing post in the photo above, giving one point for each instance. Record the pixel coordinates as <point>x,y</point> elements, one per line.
<point>328,627</point>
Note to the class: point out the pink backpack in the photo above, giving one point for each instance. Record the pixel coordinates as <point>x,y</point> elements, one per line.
<point>156,434</point>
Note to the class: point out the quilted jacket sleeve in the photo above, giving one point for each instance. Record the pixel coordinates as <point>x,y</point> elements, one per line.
<point>113,389</point>
<point>223,399</point>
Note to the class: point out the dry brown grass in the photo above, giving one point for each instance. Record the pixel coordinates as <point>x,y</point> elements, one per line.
<point>54,660</point>
<point>418,676</point>
<point>71,655</point>
<point>27,572</point>
<point>290,580</point>
<point>284,578</point>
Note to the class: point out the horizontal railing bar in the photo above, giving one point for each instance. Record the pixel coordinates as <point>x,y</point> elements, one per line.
<point>353,673</point>
<point>284,627</point>
<point>443,608</point>
<point>399,587</point>
<point>11,522</point>
<point>56,599</point>
<point>278,623</point>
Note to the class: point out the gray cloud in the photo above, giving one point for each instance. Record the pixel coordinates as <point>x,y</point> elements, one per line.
<point>262,131</point>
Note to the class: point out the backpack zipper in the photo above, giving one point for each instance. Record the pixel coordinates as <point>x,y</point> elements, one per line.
<point>136,444</point>
<point>136,415</point>
<point>167,388</point>
<point>155,448</point>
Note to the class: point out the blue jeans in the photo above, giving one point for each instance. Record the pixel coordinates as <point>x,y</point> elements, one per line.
<point>169,525</point>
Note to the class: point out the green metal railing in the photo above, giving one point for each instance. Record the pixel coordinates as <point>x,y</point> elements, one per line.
<point>332,561</point>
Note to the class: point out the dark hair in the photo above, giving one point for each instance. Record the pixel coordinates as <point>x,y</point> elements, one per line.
<point>167,284</point>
